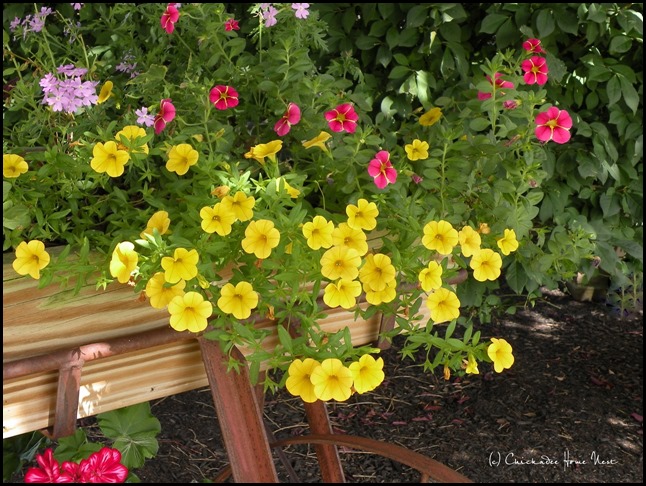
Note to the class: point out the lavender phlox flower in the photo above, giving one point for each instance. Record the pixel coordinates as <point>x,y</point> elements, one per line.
<point>270,16</point>
<point>300,9</point>
<point>144,118</point>
<point>77,6</point>
<point>14,24</point>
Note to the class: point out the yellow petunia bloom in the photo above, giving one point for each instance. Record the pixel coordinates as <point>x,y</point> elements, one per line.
<point>159,221</point>
<point>484,229</point>
<point>444,305</point>
<point>31,258</point>
<point>470,241</point>
<point>180,158</point>
<point>376,297</point>
<point>124,261</point>
<point>430,278</point>
<point>241,205</point>
<point>472,366</point>
<point>368,373</point>
<point>217,219</point>
<point>508,242</point>
<point>418,150</point>
<point>105,93</point>
<point>318,233</point>
<point>440,236</point>
<point>500,352</point>
<point>486,265</point>
<point>318,141</point>
<point>292,191</point>
<point>181,266</point>
<point>238,300</point>
<point>431,117</point>
<point>159,293</point>
<point>13,166</point>
<point>332,380</point>
<point>377,271</point>
<point>189,312</point>
<point>262,150</point>
<point>343,293</point>
<point>340,262</point>
<point>109,159</point>
<point>355,238</point>
<point>260,238</point>
<point>362,216</point>
<point>132,133</point>
<point>298,382</point>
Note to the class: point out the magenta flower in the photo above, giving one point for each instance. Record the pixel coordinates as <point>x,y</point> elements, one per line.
<point>535,70</point>
<point>103,467</point>
<point>166,115</point>
<point>382,170</point>
<point>49,470</point>
<point>169,17</point>
<point>553,124</point>
<point>510,105</point>
<point>291,117</point>
<point>499,83</point>
<point>343,117</point>
<point>231,24</point>
<point>223,97</point>
<point>533,46</point>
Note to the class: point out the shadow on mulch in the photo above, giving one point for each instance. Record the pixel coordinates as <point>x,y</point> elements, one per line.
<point>569,410</point>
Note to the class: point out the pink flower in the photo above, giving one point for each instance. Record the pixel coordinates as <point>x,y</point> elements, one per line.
<point>382,170</point>
<point>103,467</point>
<point>49,471</point>
<point>291,117</point>
<point>300,10</point>
<point>166,115</point>
<point>510,104</point>
<point>343,117</point>
<point>499,83</point>
<point>223,97</point>
<point>553,124</point>
<point>535,70</point>
<point>533,46</point>
<point>231,24</point>
<point>416,179</point>
<point>169,17</point>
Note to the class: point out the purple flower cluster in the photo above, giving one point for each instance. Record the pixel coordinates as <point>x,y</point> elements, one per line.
<point>268,12</point>
<point>31,23</point>
<point>70,93</point>
<point>127,66</point>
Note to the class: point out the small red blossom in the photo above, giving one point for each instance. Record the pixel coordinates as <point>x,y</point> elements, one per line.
<point>48,470</point>
<point>343,117</point>
<point>381,169</point>
<point>169,17</point>
<point>499,83</point>
<point>103,467</point>
<point>535,70</point>
<point>223,97</point>
<point>291,117</point>
<point>553,124</point>
<point>231,24</point>
<point>533,46</point>
<point>166,115</point>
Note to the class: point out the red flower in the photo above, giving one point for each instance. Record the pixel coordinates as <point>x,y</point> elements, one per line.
<point>533,46</point>
<point>499,83</point>
<point>166,115</point>
<point>169,17</point>
<point>382,170</point>
<point>223,97</point>
<point>343,117</point>
<point>49,471</point>
<point>103,467</point>
<point>535,70</point>
<point>553,124</point>
<point>291,117</point>
<point>231,24</point>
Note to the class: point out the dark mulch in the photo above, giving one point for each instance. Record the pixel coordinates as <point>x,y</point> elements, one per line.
<point>574,393</point>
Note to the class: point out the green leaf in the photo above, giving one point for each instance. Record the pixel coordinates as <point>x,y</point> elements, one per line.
<point>613,89</point>
<point>545,22</point>
<point>631,97</point>
<point>492,22</point>
<point>620,44</point>
<point>366,42</point>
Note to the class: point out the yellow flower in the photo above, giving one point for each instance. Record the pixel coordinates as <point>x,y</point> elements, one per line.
<point>376,297</point>
<point>363,215</point>
<point>105,93</point>
<point>340,262</point>
<point>238,300</point>
<point>368,373</point>
<point>444,305</point>
<point>430,278</point>
<point>318,141</point>
<point>260,238</point>
<point>343,294</point>
<point>484,229</point>
<point>220,191</point>
<point>292,191</point>
<point>298,382</point>
<point>486,265</point>
<point>31,258</point>
<point>161,294</point>
<point>472,366</point>
<point>332,380</point>
<point>159,221</point>
<point>469,241</point>
<point>109,159</point>
<point>132,133</point>
<point>262,150</point>
<point>377,271</point>
<point>124,261</point>
<point>189,312</point>
<point>318,233</point>
<point>417,150</point>
<point>508,242</point>
<point>355,238</point>
<point>181,266</point>
<point>500,353</point>
<point>431,117</point>
<point>180,158</point>
<point>216,219</point>
<point>241,205</point>
<point>13,165</point>
<point>440,236</point>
